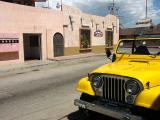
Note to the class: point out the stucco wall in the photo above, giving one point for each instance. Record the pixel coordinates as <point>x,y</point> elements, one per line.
<point>21,19</point>
<point>72,35</point>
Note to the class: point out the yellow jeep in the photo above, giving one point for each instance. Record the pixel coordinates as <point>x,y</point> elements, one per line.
<point>128,87</point>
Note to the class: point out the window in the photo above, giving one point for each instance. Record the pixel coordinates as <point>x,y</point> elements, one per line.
<point>85,38</point>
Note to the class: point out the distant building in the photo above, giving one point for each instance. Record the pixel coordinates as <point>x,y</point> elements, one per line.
<point>142,27</point>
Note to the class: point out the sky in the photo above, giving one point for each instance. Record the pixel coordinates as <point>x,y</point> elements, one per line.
<point>129,11</point>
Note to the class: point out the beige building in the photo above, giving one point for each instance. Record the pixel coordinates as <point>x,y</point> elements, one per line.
<point>37,33</point>
<point>100,31</point>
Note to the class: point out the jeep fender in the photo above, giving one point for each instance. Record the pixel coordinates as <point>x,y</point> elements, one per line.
<point>84,86</point>
<point>149,98</point>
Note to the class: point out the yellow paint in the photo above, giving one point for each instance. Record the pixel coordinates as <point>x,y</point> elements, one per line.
<point>149,98</point>
<point>84,86</point>
<point>144,72</point>
<point>145,68</point>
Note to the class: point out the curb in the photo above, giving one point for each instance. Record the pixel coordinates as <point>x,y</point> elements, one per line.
<point>75,57</point>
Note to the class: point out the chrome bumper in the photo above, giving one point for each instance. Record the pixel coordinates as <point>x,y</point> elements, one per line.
<point>114,112</point>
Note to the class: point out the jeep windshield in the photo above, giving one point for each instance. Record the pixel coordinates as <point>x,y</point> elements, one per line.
<point>139,47</point>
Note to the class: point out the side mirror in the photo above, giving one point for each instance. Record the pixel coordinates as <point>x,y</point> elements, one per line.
<point>114,57</point>
<point>108,52</point>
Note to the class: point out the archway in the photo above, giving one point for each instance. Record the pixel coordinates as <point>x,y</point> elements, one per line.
<point>58,43</point>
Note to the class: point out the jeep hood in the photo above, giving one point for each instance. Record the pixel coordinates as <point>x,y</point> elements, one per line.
<point>143,71</point>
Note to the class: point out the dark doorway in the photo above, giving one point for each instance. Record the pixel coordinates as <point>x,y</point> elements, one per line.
<point>58,43</point>
<point>32,46</point>
<point>109,38</point>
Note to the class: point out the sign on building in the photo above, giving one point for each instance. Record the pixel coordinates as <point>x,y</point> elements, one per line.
<point>9,43</point>
<point>98,33</point>
<point>9,46</point>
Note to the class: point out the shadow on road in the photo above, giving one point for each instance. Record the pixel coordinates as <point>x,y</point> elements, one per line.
<point>78,116</point>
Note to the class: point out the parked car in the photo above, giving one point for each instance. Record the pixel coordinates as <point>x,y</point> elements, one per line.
<point>128,87</point>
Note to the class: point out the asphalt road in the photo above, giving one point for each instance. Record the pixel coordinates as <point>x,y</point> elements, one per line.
<point>45,94</point>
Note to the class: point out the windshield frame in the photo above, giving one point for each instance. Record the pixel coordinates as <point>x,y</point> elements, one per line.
<point>133,45</point>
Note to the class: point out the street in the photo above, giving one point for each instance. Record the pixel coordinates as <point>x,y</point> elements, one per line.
<point>48,93</point>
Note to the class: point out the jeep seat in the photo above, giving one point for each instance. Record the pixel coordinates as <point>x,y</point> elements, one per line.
<point>142,50</point>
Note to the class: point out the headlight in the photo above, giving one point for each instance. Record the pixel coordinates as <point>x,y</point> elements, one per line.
<point>96,80</point>
<point>132,87</point>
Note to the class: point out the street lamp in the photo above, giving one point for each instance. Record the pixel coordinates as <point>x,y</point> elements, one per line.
<point>59,5</point>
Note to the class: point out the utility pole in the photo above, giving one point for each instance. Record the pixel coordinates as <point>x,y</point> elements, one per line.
<point>146,9</point>
<point>113,9</point>
<point>60,5</point>
<point>113,3</point>
<point>48,3</point>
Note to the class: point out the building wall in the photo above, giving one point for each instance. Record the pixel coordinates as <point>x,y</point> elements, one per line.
<point>78,19</point>
<point>20,19</point>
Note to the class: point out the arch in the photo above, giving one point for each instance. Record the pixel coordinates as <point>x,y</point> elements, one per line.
<point>58,43</point>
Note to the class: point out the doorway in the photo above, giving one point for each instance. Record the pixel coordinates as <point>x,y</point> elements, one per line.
<point>58,43</point>
<point>109,38</point>
<point>32,47</point>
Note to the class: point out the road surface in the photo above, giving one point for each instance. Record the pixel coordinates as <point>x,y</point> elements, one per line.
<point>45,94</point>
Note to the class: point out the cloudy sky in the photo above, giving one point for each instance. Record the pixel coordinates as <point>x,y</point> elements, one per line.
<point>129,10</point>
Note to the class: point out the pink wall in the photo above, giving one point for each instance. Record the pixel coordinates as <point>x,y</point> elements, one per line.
<point>9,42</point>
<point>9,47</point>
<point>21,19</point>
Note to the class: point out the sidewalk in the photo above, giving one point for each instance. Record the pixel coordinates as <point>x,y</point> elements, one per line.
<point>76,56</point>
<point>38,63</point>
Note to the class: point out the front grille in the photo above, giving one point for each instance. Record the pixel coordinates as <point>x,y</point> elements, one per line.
<point>113,89</point>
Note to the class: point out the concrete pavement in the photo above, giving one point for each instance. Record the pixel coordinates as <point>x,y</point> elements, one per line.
<point>45,94</point>
<point>20,82</point>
